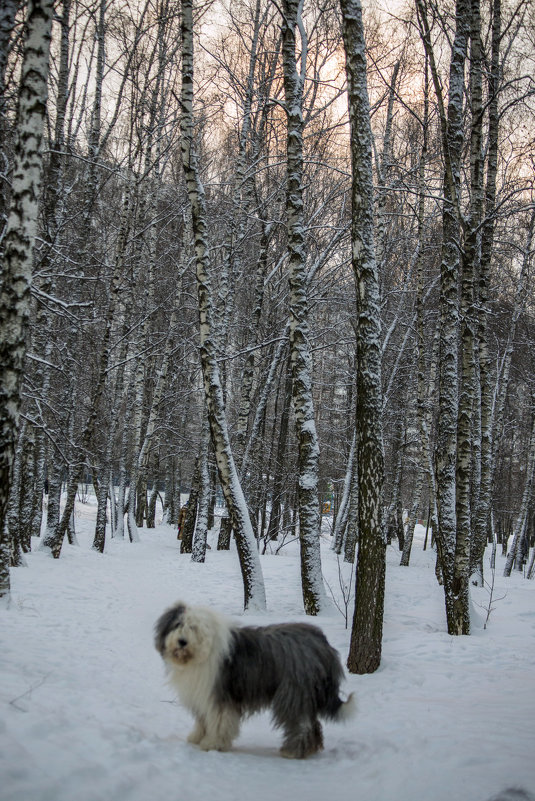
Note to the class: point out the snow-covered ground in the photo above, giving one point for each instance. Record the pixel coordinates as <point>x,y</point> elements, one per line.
<point>85,714</point>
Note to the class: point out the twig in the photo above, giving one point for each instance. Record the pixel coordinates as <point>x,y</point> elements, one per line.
<point>28,692</point>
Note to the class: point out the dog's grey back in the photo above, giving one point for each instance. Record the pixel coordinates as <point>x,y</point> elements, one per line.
<point>290,667</point>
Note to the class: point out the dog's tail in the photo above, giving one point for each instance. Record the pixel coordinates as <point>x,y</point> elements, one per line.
<point>347,709</point>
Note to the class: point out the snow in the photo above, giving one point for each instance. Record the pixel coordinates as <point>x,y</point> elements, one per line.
<point>86,715</point>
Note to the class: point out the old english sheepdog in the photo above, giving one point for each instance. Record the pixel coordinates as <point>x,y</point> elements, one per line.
<point>224,672</point>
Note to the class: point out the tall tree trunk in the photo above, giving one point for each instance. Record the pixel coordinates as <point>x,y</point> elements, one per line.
<point>367,630</point>
<point>482,523</point>
<point>467,479</point>
<point>421,384</point>
<point>19,243</point>
<point>253,582</point>
<point>300,351</point>
<point>452,555</point>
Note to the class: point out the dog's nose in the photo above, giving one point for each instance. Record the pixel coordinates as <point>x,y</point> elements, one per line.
<point>182,643</point>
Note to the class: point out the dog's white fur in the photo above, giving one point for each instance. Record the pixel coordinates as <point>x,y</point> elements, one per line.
<point>192,671</point>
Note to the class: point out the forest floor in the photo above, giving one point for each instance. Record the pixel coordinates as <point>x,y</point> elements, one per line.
<point>86,715</point>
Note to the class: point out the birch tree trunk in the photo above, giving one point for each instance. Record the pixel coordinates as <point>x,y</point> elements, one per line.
<point>527,501</point>
<point>300,353</point>
<point>421,388</point>
<point>8,11</point>
<point>19,245</point>
<point>483,508</point>
<point>277,493</point>
<point>342,513</point>
<point>367,630</point>
<point>452,553</point>
<point>198,550</point>
<point>254,591</point>
<point>468,437</point>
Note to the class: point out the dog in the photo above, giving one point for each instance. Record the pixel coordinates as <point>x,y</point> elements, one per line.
<point>224,672</point>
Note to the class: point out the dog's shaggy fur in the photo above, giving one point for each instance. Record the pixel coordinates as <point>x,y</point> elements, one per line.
<point>223,672</point>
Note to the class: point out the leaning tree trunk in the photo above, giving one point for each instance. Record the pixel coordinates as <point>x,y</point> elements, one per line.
<point>18,247</point>
<point>300,352</point>
<point>253,582</point>
<point>367,631</point>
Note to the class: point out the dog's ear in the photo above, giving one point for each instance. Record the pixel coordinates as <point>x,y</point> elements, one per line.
<point>171,619</point>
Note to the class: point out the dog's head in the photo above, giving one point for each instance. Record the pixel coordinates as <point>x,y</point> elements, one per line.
<point>184,635</point>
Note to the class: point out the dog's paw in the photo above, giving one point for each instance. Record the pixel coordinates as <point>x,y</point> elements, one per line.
<point>196,734</point>
<point>287,754</point>
<point>209,744</point>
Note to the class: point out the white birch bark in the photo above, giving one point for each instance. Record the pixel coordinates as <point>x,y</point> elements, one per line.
<point>468,449</point>
<point>452,558</point>
<point>254,591</point>
<point>343,510</point>
<point>300,352</point>
<point>483,507</point>
<point>198,550</point>
<point>19,245</point>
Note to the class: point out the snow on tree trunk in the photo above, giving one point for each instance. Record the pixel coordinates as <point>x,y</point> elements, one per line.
<point>367,630</point>
<point>300,351</point>
<point>254,591</point>
<point>482,523</point>
<point>19,242</point>
<point>453,552</point>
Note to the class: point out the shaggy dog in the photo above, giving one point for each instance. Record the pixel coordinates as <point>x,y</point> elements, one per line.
<point>223,672</point>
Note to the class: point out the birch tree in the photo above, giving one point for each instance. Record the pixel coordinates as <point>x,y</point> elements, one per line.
<point>300,354</point>
<point>366,634</point>
<point>254,592</point>
<point>19,243</point>
<point>453,543</point>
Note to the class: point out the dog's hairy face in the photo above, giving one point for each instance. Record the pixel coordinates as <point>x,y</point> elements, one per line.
<point>183,635</point>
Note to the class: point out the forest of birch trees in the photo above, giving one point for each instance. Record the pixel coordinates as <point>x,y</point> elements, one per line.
<point>276,256</point>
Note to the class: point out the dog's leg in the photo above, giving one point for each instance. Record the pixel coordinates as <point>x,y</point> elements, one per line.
<point>222,727</point>
<point>317,735</point>
<point>198,732</point>
<point>302,740</point>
